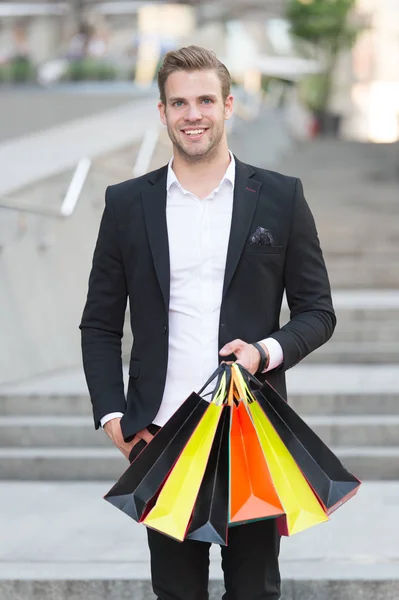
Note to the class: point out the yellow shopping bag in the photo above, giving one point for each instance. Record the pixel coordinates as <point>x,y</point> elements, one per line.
<point>301,506</point>
<point>174,506</point>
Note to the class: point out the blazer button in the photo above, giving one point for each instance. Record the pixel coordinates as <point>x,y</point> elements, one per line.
<point>165,329</point>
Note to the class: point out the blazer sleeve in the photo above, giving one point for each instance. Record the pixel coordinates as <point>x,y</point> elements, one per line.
<point>103,318</point>
<point>312,317</point>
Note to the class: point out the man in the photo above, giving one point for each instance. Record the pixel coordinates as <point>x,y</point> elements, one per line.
<point>203,248</point>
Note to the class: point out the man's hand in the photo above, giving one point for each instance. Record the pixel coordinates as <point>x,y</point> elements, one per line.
<point>247,355</point>
<point>113,430</point>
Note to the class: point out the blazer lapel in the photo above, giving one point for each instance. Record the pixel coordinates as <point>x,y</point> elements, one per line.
<point>246,193</point>
<point>154,210</point>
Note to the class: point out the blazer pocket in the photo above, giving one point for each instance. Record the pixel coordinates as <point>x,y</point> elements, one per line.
<point>134,368</point>
<point>262,250</point>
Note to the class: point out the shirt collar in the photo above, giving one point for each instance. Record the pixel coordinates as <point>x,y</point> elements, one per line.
<point>229,175</point>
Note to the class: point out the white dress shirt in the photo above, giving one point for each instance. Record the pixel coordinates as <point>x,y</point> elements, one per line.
<point>198,233</point>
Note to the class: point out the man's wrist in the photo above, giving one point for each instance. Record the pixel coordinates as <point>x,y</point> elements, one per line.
<point>267,356</point>
<point>109,417</point>
<point>275,352</point>
<point>264,356</point>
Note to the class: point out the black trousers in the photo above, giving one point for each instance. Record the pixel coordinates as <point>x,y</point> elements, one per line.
<point>180,570</point>
<point>250,564</point>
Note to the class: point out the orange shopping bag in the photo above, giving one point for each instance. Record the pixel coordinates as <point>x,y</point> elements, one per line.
<point>252,493</point>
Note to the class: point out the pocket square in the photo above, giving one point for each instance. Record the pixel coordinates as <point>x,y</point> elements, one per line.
<point>261,237</point>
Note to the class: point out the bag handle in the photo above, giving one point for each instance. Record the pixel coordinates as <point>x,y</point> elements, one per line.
<point>232,383</point>
<point>218,371</point>
<point>230,394</point>
<point>247,375</point>
<point>242,379</point>
<point>219,392</point>
<point>239,383</point>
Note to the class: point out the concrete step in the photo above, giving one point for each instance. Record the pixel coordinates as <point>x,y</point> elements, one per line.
<point>361,403</point>
<point>107,464</point>
<point>362,325</point>
<point>356,431</point>
<point>51,432</point>
<point>61,464</point>
<point>367,328</point>
<point>352,273</point>
<point>370,330</point>
<point>58,543</point>
<point>339,403</point>
<point>345,404</point>
<point>370,353</point>
<point>371,463</point>
<point>78,432</point>
<point>138,589</point>
<point>352,190</point>
<point>45,404</point>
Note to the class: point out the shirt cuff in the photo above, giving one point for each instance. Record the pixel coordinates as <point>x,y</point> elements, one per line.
<point>111,416</point>
<point>276,355</point>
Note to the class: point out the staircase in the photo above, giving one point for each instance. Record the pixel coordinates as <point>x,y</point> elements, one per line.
<point>54,468</point>
<point>347,390</point>
<point>367,330</point>
<point>353,191</point>
<point>50,436</point>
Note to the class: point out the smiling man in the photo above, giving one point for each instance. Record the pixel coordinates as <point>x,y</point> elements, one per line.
<point>203,249</point>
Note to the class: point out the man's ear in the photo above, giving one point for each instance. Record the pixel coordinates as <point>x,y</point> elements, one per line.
<point>162,112</point>
<point>228,107</point>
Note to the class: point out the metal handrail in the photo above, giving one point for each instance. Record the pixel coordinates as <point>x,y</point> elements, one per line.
<point>146,151</point>
<point>71,197</point>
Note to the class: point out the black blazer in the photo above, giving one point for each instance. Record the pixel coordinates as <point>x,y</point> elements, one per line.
<point>131,261</point>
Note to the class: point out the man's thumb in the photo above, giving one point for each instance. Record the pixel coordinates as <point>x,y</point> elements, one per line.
<point>226,350</point>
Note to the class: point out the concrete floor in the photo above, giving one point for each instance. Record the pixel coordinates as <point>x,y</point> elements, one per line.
<point>66,531</point>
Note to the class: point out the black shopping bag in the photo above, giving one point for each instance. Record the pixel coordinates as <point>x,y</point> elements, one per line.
<point>331,482</point>
<point>210,516</point>
<point>136,490</point>
<point>142,480</point>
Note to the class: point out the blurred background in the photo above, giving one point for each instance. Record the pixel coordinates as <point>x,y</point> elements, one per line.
<point>316,84</point>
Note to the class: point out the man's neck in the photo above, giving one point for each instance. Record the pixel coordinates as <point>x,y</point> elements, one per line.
<point>202,177</point>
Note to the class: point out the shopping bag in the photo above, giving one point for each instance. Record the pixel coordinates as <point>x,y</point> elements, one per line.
<point>175,503</point>
<point>210,517</point>
<point>143,478</point>
<point>252,493</point>
<point>301,506</point>
<point>331,482</point>
<point>135,492</point>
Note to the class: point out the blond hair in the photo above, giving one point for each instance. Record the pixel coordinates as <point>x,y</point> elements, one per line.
<point>192,58</point>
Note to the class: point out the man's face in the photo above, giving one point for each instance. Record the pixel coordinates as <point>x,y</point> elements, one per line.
<point>195,113</point>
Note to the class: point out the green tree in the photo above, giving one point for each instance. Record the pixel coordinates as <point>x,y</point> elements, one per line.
<point>328,25</point>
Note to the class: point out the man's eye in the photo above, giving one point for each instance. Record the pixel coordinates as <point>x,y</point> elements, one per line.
<point>207,100</point>
<point>178,103</point>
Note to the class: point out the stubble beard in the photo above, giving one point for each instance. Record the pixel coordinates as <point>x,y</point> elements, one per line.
<point>206,155</point>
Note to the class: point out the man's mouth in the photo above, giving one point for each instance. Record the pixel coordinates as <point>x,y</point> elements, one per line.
<point>195,133</point>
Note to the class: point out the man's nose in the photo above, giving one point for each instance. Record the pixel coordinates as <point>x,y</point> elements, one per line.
<point>193,113</point>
